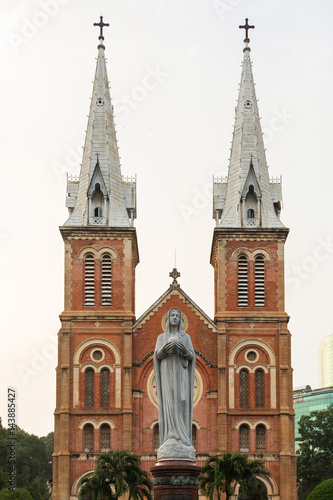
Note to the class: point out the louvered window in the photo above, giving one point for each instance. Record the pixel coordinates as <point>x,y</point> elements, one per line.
<point>89,280</point>
<point>242,281</point>
<point>259,388</point>
<point>156,437</point>
<point>244,388</point>
<point>244,438</point>
<point>90,375</point>
<point>106,280</point>
<point>260,438</point>
<point>88,438</point>
<point>259,281</point>
<point>105,438</point>
<point>105,387</point>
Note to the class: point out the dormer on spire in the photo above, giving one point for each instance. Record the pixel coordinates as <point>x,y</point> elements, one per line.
<point>247,198</point>
<point>97,198</point>
<point>251,200</point>
<point>101,196</point>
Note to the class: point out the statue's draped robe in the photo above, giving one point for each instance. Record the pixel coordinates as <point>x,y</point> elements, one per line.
<point>175,386</point>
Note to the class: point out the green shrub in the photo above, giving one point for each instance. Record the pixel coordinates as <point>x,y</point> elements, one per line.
<point>324,491</point>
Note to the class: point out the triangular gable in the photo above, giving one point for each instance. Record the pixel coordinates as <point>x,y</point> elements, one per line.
<point>97,177</point>
<point>174,290</point>
<point>251,179</point>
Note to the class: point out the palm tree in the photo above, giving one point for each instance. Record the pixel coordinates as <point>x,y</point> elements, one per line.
<point>221,474</point>
<point>252,469</point>
<point>117,473</point>
<point>93,488</point>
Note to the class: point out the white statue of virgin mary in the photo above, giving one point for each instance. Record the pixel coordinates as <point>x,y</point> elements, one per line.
<point>174,364</point>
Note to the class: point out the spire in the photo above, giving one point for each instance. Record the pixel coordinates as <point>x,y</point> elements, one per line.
<point>247,198</point>
<point>100,197</point>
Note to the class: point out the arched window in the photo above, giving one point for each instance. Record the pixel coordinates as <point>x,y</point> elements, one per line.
<point>89,280</point>
<point>156,437</point>
<point>242,281</point>
<point>259,281</point>
<point>105,438</point>
<point>244,438</point>
<point>98,212</point>
<point>259,388</point>
<point>194,436</point>
<point>250,213</point>
<point>106,280</point>
<point>105,387</point>
<point>90,375</point>
<point>260,438</point>
<point>244,388</point>
<point>88,438</point>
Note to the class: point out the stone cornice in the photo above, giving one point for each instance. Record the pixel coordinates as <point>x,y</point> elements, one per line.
<point>252,316</point>
<point>97,315</point>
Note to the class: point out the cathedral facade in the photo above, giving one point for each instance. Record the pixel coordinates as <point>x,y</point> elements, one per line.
<point>106,389</point>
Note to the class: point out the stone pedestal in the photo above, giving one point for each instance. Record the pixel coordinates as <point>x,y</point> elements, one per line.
<point>176,480</point>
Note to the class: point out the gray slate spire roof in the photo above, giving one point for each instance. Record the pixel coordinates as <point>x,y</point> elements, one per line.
<point>101,152</point>
<point>248,166</point>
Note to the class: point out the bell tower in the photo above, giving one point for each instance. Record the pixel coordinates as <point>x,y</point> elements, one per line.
<point>255,405</point>
<point>94,374</point>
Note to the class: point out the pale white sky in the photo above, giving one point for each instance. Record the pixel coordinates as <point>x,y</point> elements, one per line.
<point>174,131</point>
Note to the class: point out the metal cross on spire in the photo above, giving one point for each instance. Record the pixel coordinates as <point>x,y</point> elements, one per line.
<point>246,27</point>
<point>101,25</point>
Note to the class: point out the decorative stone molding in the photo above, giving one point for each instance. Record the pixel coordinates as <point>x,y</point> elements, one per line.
<point>272,368</point>
<point>88,365</point>
<point>252,369</point>
<point>76,368</point>
<point>75,485</point>
<point>88,421</point>
<point>95,424</point>
<point>251,424</point>
<point>96,340</point>
<point>176,481</point>
<point>95,351</point>
<point>253,342</point>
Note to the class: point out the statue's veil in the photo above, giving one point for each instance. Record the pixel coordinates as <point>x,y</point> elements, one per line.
<point>181,324</point>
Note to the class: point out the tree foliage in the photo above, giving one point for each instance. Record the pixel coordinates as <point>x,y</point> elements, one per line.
<point>324,491</point>
<point>315,454</point>
<point>18,494</point>
<point>220,475</point>
<point>4,479</point>
<point>117,473</point>
<point>33,462</point>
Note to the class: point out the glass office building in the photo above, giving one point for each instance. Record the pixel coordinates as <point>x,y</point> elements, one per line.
<point>326,362</point>
<point>306,400</point>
